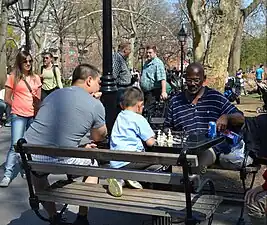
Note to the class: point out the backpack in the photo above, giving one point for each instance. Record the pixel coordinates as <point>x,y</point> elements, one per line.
<point>54,72</point>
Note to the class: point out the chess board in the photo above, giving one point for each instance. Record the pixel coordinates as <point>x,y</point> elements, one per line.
<point>195,142</point>
<point>170,138</point>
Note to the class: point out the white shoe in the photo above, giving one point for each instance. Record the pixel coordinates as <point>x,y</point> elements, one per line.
<point>5,182</point>
<point>115,187</point>
<point>134,184</point>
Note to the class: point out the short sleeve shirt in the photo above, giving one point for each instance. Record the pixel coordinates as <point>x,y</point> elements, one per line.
<point>184,116</point>
<point>22,103</point>
<point>259,73</point>
<point>65,117</point>
<point>152,75</point>
<point>128,132</point>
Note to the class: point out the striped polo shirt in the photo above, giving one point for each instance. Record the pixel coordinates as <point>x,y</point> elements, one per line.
<point>185,116</point>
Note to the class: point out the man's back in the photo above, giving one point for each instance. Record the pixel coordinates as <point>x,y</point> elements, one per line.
<point>65,117</point>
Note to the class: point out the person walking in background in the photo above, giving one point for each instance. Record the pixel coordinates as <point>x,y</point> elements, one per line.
<point>4,108</point>
<point>21,89</point>
<point>50,76</point>
<point>260,73</point>
<point>153,79</point>
<point>259,78</point>
<point>121,71</point>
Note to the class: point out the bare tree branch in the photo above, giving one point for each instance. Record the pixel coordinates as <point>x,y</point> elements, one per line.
<point>39,15</point>
<point>247,11</point>
<point>122,10</point>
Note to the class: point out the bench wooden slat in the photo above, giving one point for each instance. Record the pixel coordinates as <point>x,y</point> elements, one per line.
<point>141,199</point>
<point>132,203</point>
<point>148,193</point>
<point>108,155</point>
<point>146,176</point>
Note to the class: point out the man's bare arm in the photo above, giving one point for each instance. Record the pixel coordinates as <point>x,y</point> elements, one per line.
<point>236,119</point>
<point>99,134</point>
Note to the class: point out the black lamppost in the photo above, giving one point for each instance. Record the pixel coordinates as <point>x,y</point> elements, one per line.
<point>141,53</point>
<point>182,39</point>
<point>108,86</point>
<point>26,6</point>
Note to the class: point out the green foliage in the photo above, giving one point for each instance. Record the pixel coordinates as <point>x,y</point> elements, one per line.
<point>253,51</point>
<point>10,43</point>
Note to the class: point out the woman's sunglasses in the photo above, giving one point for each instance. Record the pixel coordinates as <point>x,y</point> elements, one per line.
<point>27,61</point>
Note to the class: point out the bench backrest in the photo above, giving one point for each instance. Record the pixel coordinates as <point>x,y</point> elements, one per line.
<point>105,155</point>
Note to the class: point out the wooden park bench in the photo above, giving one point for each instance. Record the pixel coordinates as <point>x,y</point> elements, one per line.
<point>163,206</point>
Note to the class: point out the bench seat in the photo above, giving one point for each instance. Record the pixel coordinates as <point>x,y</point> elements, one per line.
<point>144,201</point>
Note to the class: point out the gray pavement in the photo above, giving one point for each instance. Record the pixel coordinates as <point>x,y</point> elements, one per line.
<point>15,210</point>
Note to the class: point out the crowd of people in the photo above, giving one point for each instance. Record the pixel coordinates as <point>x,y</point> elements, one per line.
<point>41,113</point>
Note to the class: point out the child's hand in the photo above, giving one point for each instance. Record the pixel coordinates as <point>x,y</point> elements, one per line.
<point>92,145</point>
<point>97,95</point>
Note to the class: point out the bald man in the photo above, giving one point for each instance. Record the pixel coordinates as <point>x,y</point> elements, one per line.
<point>192,110</point>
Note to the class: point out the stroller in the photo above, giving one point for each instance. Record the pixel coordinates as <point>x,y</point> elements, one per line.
<point>232,90</point>
<point>262,89</point>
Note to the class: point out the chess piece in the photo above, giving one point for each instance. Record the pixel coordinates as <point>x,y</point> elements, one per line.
<point>170,138</point>
<point>164,137</point>
<point>159,137</point>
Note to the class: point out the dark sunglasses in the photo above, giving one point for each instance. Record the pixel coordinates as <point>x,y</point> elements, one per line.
<point>46,57</point>
<point>26,61</point>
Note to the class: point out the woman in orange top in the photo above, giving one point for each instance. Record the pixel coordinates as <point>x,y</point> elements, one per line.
<point>21,88</point>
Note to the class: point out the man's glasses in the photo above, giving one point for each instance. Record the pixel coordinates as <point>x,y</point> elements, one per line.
<point>46,57</point>
<point>197,80</point>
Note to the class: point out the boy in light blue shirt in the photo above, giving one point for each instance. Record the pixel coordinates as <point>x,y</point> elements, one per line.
<point>128,132</point>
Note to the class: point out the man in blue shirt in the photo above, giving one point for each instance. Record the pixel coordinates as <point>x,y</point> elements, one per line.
<point>259,73</point>
<point>153,79</point>
<point>192,110</point>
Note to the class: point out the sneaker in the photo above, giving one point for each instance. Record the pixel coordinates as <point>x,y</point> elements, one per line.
<point>115,187</point>
<point>134,184</point>
<point>5,182</point>
<point>81,220</point>
<point>8,124</point>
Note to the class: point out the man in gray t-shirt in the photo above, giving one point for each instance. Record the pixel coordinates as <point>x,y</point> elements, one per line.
<point>63,119</point>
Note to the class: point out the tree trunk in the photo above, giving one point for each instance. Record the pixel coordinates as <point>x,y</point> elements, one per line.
<point>131,59</point>
<point>196,11</point>
<point>217,54</point>
<point>3,32</point>
<point>234,59</point>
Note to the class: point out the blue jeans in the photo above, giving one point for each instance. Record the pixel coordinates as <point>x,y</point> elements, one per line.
<point>19,125</point>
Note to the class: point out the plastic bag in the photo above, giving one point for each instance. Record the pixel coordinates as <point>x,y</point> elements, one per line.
<point>235,158</point>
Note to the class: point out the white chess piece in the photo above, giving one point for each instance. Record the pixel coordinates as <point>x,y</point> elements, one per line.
<point>159,137</point>
<point>164,137</point>
<point>170,139</point>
